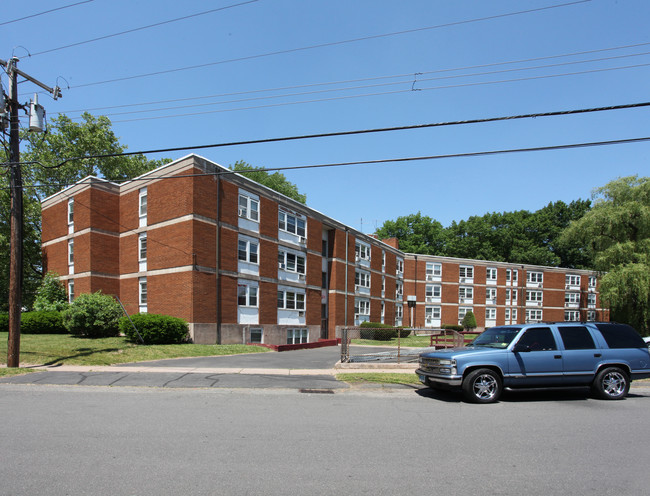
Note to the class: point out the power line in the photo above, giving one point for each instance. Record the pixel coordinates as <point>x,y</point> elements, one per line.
<point>328,44</point>
<point>377,85</point>
<point>148,177</point>
<point>169,21</point>
<point>365,131</point>
<point>358,80</point>
<point>451,86</point>
<point>45,12</point>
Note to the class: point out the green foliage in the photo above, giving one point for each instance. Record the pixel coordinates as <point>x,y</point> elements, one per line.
<point>453,327</point>
<point>416,234</point>
<point>42,322</point>
<point>65,139</point>
<point>377,331</point>
<point>616,232</point>
<point>276,181</point>
<point>469,321</point>
<point>516,237</point>
<point>155,329</point>
<point>4,322</point>
<point>93,315</point>
<point>51,295</point>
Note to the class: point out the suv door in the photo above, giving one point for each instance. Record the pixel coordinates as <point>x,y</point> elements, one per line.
<point>535,359</point>
<point>581,356</point>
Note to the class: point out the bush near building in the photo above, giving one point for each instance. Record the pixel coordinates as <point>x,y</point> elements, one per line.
<point>155,329</point>
<point>93,315</point>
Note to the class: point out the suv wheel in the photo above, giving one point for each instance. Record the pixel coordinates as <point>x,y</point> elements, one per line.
<point>611,383</point>
<point>482,386</point>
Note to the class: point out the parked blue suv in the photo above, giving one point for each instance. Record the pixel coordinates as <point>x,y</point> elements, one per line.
<point>604,356</point>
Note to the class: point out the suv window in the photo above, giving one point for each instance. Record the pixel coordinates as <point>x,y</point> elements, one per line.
<point>538,339</point>
<point>576,338</point>
<point>620,336</point>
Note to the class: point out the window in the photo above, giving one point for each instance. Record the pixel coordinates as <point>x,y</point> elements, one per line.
<point>511,275</point>
<point>70,291</point>
<point>572,316</point>
<point>511,315</point>
<point>142,291</point>
<point>466,271</point>
<point>572,280</point>
<point>399,312</point>
<point>511,295</point>
<point>491,294</point>
<point>297,336</point>
<point>383,260</point>
<point>593,281</point>
<point>591,315</point>
<point>591,300</point>
<point>383,285</point>
<point>400,267</point>
<point>383,311</point>
<point>142,202</point>
<point>249,206</point>
<point>361,306</point>
<point>535,277</point>
<point>538,339</point>
<point>361,279</point>
<point>431,313</point>
<point>399,290</point>
<point>71,211</point>
<point>248,251</point>
<point>288,300</point>
<point>255,335</point>
<point>466,292</point>
<point>433,270</point>
<point>142,247</point>
<point>534,296</point>
<point>491,274</point>
<point>362,251</point>
<point>576,338</point>
<point>246,295</point>
<point>533,315</point>
<point>571,298</point>
<point>620,336</point>
<point>71,252</point>
<point>291,262</point>
<point>490,313</point>
<point>433,290</point>
<point>291,224</point>
<point>462,311</point>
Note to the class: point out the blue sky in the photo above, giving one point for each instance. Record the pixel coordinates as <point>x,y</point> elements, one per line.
<point>473,59</point>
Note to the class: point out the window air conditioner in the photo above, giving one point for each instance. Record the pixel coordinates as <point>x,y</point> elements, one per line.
<point>301,313</point>
<point>242,211</point>
<point>281,266</point>
<point>302,240</point>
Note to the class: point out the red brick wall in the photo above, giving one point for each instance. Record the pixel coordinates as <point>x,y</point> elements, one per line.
<point>104,253</point>
<point>170,198</point>
<point>55,221</point>
<point>228,299</point>
<point>204,244</point>
<point>204,304</point>
<point>55,258</point>
<point>313,307</point>
<point>268,218</point>
<point>170,246</point>
<point>314,235</point>
<point>228,241</point>
<point>129,211</point>
<point>268,302</point>
<point>129,254</point>
<point>205,196</point>
<point>229,198</point>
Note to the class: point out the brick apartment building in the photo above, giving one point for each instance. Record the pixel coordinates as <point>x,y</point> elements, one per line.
<point>243,263</point>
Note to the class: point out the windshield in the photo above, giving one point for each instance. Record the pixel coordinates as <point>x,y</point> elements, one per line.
<point>496,337</point>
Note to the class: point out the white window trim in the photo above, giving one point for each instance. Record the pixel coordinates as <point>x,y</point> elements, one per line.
<point>249,285</point>
<point>284,264</point>
<point>247,211</point>
<point>298,303</point>
<point>249,243</point>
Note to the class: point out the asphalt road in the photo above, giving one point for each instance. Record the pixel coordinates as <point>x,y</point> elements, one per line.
<point>62,440</point>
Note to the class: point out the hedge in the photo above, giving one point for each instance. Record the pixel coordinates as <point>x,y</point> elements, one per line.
<point>44,322</point>
<point>155,329</point>
<point>382,332</point>
<point>93,315</point>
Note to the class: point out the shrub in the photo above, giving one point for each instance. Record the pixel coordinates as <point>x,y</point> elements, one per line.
<point>93,315</point>
<point>377,331</point>
<point>453,327</point>
<point>404,332</point>
<point>51,294</point>
<point>469,321</point>
<point>4,322</point>
<point>42,323</point>
<point>155,329</point>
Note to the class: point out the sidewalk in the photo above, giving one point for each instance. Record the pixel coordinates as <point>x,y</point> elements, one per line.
<point>339,368</point>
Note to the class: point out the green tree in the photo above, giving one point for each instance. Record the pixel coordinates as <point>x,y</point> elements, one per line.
<point>616,233</point>
<point>46,171</point>
<point>51,294</point>
<point>416,234</point>
<point>93,315</point>
<point>276,181</point>
<point>469,321</point>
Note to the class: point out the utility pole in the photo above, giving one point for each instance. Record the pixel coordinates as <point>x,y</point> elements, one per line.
<point>16,215</point>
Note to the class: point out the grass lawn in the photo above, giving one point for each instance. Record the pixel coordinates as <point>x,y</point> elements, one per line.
<point>8,372</point>
<point>51,349</point>
<point>379,378</point>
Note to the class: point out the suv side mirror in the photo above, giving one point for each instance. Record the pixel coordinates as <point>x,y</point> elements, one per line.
<point>521,348</point>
